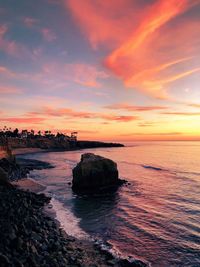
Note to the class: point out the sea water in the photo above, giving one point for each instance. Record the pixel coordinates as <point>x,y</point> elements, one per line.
<point>155,218</point>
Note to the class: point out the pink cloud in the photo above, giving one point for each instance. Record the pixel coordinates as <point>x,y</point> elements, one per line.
<point>142,60</point>
<point>48,34</point>
<point>30,22</point>
<point>55,75</point>
<point>9,90</point>
<point>11,47</point>
<point>23,120</point>
<point>146,53</point>
<point>127,107</point>
<point>6,72</point>
<point>70,113</point>
<point>80,73</point>
<point>119,118</point>
<point>101,21</point>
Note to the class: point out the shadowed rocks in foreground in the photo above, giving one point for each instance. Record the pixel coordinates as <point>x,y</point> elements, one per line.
<point>3,177</point>
<point>19,168</point>
<point>29,238</point>
<point>95,173</point>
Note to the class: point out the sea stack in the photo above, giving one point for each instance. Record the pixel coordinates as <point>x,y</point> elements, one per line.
<point>95,173</point>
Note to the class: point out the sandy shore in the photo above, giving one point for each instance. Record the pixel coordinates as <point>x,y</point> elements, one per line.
<point>29,150</point>
<point>29,184</point>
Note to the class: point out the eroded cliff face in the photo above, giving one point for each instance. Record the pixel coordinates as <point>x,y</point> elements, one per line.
<point>3,154</point>
<point>5,151</point>
<point>43,143</point>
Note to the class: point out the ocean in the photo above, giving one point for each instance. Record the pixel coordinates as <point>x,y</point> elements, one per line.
<point>155,218</point>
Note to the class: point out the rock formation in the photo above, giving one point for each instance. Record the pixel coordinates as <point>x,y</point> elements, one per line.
<point>94,173</point>
<point>3,177</point>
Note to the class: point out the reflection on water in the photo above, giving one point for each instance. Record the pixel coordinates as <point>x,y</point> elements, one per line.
<point>95,212</point>
<point>155,218</point>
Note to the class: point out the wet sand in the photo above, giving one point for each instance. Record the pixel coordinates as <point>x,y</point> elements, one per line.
<point>22,151</point>
<point>28,184</point>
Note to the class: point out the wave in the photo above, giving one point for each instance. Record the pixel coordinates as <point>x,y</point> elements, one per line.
<point>186,172</point>
<point>178,173</point>
<point>145,166</point>
<point>68,222</point>
<point>153,168</point>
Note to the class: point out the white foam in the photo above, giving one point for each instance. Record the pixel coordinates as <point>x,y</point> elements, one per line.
<point>67,220</point>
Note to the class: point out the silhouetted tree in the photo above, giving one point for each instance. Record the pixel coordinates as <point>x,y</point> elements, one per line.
<point>16,133</point>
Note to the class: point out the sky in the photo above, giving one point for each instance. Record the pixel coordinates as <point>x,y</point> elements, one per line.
<point>119,70</point>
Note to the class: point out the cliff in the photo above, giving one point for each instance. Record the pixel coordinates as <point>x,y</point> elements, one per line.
<point>56,143</point>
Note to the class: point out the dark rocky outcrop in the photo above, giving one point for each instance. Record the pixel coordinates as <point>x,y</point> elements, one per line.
<point>29,238</point>
<point>57,144</point>
<point>132,263</point>
<point>95,144</point>
<point>12,168</point>
<point>19,168</point>
<point>3,177</point>
<point>95,173</point>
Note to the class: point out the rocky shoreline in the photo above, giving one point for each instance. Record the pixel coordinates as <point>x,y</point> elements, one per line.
<point>29,237</point>
<point>17,168</point>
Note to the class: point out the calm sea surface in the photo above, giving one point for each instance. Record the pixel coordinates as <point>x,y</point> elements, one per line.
<point>156,218</point>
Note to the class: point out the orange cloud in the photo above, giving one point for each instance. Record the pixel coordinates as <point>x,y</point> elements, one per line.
<point>146,124</point>
<point>137,61</point>
<point>23,120</point>
<point>182,113</point>
<point>127,107</point>
<point>119,118</point>
<point>194,105</point>
<point>153,45</point>
<point>156,134</point>
<point>160,13</point>
<point>70,113</point>
<point>62,112</point>
<point>101,21</point>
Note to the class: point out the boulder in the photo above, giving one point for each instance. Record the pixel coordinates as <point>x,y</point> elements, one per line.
<point>3,177</point>
<point>94,172</point>
<point>133,263</point>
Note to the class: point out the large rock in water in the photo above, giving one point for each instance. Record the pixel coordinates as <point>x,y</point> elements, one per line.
<point>94,172</point>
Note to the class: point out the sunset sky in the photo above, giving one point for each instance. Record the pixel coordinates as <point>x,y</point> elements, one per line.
<point>109,69</point>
